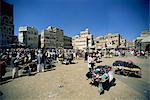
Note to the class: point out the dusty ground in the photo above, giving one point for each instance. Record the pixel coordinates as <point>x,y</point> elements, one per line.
<point>65,82</point>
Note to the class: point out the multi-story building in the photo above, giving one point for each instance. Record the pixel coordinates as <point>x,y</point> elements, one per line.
<point>6,24</point>
<point>48,39</point>
<point>67,42</point>
<point>123,43</point>
<point>83,41</point>
<point>110,41</point>
<point>28,36</point>
<point>100,42</point>
<point>131,44</point>
<point>143,42</point>
<point>52,37</point>
<point>73,41</point>
<point>15,40</point>
<point>59,36</point>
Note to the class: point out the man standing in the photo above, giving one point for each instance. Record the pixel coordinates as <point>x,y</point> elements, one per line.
<point>86,56</point>
<point>40,61</point>
<point>14,65</point>
<point>90,62</point>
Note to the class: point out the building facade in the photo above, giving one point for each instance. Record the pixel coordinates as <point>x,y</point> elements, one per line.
<point>110,41</point>
<point>123,43</point>
<point>52,37</point>
<point>83,41</point>
<point>28,36</point>
<point>131,44</point>
<point>67,42</point>
<point>143,42</point>
<point>6,24</point>
<point>48,39</point>
<point>100,42</point>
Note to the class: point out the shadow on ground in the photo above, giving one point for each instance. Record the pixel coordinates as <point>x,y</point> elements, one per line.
<point>1,93</point>
<point>51,69</point>
<point>130,75</point>
<point>106,85</point>
<point>6,80</point>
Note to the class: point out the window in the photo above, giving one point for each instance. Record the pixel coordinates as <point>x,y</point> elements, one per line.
<point>113,42</point>
<point>47,37</point>
<point>4,28</point>
<point>6,21</point>
<point>9,29</point>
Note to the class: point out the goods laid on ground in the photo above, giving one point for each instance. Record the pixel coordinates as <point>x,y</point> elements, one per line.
<point>108,56</point>
<point>49,63</point>
<point>67,60</point>
<point>98,60</point>
<point>60,59</point>
<point>28,67</point>
<point>32,66</point>
<point>102,77</point>
<point>127,68</point>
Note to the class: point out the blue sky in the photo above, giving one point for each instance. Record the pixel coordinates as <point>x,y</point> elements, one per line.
<point>127,17</point>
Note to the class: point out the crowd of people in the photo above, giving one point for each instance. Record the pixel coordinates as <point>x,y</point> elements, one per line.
<point>139,53</point>
<point>16,58</point>
<point>41,57</point>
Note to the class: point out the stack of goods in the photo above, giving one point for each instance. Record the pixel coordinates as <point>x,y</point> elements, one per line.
<point>102,77</point>
<point>126,68</point>
<point>65,61</point>
<point>100,74</point>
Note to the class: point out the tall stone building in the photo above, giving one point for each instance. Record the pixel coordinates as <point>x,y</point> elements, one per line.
<point>28,36</point>
<point>52,37</point>
<point>83,41</point>
<point>131,44</point>
<point>67,42</point>
<point>48,39</point>
<point>6,24</point>
<point>110,41</point>
<point>100,42</point>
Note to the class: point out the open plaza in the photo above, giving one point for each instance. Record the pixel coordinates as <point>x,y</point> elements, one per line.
<point>69,82</point>
<point>74,50</point>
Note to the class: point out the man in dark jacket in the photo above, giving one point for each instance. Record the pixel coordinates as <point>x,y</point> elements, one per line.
<point>86,56</point>
<point>2,67</point>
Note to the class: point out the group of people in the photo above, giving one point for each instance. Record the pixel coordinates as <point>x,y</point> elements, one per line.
<point>101,76</point>
<point>23,57</point>
<point>92,58</point>
<point>19,58</point>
